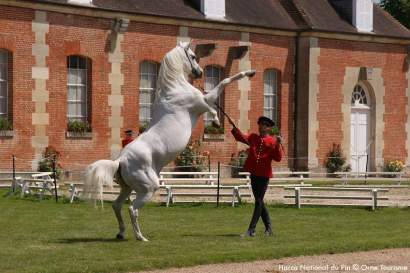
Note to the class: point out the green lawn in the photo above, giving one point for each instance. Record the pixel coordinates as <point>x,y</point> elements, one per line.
<point>42,236</point>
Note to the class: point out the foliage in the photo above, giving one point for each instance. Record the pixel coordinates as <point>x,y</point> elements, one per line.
<point>394,166</point>
<point>5,124</point>
<point>335,159</point>
<point>78,126</point>
<point>46,163</point>
<point>74,238</point>
<point>237,162</point>
<point>213,129</point>
<point>190,159</point>
<point>143,127</point>
<point>274,131</point>
<point>399,9</point>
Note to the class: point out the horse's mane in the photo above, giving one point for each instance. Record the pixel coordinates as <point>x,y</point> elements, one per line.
<point>171,73</point>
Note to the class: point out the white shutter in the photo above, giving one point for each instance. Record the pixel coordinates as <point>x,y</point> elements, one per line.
<point>363,15</point>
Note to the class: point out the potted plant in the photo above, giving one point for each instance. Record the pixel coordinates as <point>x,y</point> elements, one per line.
<point>143,127</point>
<point>78,128</point>
<point>6,128</point>
<point>394,166</point>
<point>211,131</point>
<point>190,159</point>
<point>335,160</point>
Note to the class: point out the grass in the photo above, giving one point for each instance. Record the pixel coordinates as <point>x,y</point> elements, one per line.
<point>42,236</point>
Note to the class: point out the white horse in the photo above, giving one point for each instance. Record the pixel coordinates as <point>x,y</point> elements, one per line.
<point>176,111</point>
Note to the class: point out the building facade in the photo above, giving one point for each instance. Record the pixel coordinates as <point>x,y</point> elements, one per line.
<point>327,72</point>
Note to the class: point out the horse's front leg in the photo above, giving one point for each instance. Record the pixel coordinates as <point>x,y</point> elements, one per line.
<point>212,96</point>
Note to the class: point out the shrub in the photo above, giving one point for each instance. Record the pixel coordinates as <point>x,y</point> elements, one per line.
<point>237,163</point>
<point>335,159</point>
<point>394,166</point>
<point>78,126</point>
<point>46,163</point>
<point>5,124</point>
<point>190,159</point>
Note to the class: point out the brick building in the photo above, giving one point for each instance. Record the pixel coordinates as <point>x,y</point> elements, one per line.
<point>328,71</point>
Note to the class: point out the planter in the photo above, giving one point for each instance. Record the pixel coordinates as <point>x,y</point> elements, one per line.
<point>214,137</point>
<point>83,135</point>
<point>6,133</point>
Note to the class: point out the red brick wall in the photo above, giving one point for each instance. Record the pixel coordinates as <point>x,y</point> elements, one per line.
<point>85,36</point>
<point>335,56</point>
<point>16,37</point>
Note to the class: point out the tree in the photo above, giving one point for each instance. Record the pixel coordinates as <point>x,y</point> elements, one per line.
<point>399,9</point>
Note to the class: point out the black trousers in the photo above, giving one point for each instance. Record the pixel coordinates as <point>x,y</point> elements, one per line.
<point>259,186</point>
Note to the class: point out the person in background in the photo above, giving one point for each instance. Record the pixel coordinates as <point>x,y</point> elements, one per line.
<point>128,138</point>
<point>263,148</point>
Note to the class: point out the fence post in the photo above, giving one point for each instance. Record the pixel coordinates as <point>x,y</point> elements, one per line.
<point>217,192</point>
<point>297,198</point>
<point>13,187</point>
<point>55,178</point>
<point>374,194</point>
<point>209,163</point>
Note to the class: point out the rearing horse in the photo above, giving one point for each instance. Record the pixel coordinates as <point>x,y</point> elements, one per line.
<point>177,107</point>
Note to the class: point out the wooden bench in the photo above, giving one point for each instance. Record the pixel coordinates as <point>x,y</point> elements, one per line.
<point>299,177</point>
<point>346,177</point>
<point>172,191</point>
<point>40,183</point>
<point>372,196</point>
<point>201,177</point>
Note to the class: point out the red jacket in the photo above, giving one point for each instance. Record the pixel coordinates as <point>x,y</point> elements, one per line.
<point>262,150</point>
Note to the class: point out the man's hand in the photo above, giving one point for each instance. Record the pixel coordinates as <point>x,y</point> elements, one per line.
<point>279,139</point>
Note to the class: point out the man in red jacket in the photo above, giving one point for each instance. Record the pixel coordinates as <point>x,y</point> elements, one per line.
<point>128,138</point>
<point>263,148</point>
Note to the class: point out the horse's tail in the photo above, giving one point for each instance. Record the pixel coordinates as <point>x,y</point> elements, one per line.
<point>98,174</point>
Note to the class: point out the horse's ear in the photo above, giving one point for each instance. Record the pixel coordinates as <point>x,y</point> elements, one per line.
<point>189,44</point>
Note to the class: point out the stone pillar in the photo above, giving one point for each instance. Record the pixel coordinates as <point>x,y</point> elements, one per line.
<point>40,94</point>
<point>314,71</point>
<point>115,99</point>
<point>244,86</point>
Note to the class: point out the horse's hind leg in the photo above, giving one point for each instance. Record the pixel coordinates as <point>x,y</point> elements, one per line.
<point>137,203</point>
<point>117,205</point>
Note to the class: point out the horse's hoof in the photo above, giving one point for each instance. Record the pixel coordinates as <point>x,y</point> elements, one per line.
<point>251,73</point>
<point>142,239</point>
<point>120,237</point>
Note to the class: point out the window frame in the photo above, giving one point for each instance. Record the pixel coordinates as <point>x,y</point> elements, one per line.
<point>6,113</point>
<point>207,116</point>
<point>151,91</point>
<point>83,102</point>
<point>272,82</point>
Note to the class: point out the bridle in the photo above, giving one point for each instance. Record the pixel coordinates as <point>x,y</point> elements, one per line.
<point>190,62</point>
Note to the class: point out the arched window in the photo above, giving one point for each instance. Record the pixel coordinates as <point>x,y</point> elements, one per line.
<point>4,84</point>
<point>148,85</point>
<point>359,96</point>
<point>78,71</point>
<point>213,75</point>
<point>270,95</point>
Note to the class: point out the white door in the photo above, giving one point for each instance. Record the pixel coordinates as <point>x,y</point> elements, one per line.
<point>359,146</point>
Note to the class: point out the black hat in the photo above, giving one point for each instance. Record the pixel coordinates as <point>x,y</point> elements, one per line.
<point>128,131</point>
<point>266,120</point>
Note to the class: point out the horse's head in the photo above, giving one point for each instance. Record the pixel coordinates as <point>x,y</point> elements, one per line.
<point>190,65</point>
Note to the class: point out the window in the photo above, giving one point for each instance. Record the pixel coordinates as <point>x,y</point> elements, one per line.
<point>213,76</point>
<point>148,85</point>
<point>77,88</point>
<point>4,83</point>
<point>270,95</point>
<point>359,96</point>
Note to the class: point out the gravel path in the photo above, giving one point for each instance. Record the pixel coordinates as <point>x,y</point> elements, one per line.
<point>378,261</point>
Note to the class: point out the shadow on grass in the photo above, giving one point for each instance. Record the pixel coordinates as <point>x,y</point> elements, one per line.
<point>211,235</point>
<point>89,240</point>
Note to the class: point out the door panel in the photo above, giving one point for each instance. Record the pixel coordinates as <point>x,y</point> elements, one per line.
<point>359,139</point>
